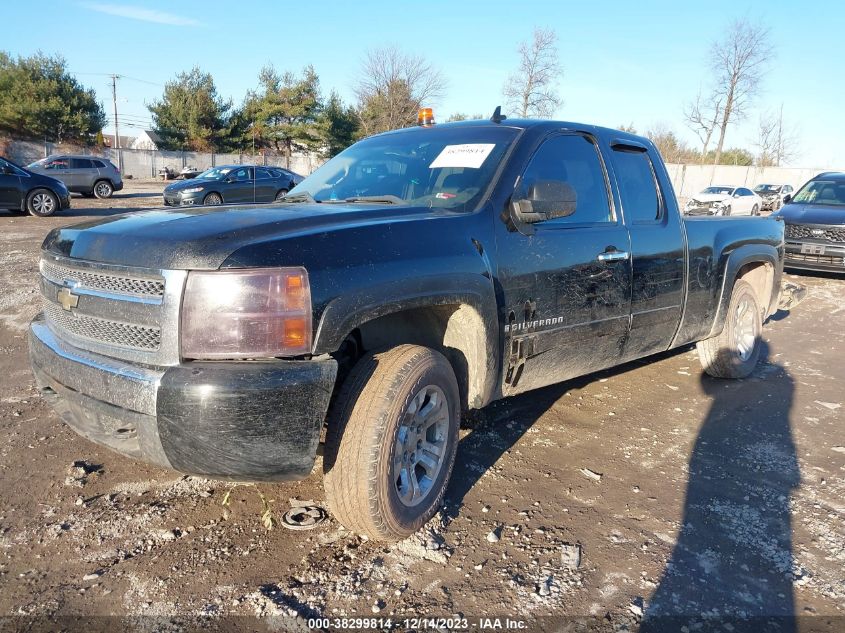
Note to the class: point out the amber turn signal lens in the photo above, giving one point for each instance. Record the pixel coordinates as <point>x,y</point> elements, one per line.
<point>295,333</point>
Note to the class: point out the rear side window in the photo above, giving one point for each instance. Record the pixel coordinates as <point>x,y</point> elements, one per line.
<point>637,185</point>
<point>81,163</point>
<point>99,164</point>
<point>573,160</point>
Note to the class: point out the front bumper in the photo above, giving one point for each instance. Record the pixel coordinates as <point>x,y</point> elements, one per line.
<point>64,201</point>
<point>832,260</point>
<point>179,199</point>
<point>249,421</point>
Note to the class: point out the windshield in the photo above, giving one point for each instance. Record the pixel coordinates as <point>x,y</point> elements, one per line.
<point>446,167</point>
<point>767,188</point>
<point>830,192</point>
<point>726,191</point>
<point>215,173</point>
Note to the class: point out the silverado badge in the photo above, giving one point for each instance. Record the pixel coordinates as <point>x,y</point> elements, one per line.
<point>67,299</point>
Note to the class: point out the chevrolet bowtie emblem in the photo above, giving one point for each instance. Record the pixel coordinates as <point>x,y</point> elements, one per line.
<point>67,299</point>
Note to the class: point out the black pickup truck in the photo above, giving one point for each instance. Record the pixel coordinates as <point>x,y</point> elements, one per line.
<point>418,274</point>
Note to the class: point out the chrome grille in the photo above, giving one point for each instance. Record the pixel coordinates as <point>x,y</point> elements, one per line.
<point>118,284</point>
<point>102,330</point>
<point>803,231</point>
<point>123,312</point>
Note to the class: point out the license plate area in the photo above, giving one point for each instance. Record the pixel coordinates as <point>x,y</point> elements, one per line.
<point>812,249</point>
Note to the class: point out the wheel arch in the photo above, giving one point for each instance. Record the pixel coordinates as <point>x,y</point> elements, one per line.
<point>758,265</point>
<point>459,324</point>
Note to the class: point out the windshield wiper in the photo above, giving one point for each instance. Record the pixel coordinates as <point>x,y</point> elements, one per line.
<point>376,199</point>
<point>299,197</point>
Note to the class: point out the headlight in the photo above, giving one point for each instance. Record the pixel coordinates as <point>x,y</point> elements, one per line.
<point>254,313</point>
<point>192,190</point>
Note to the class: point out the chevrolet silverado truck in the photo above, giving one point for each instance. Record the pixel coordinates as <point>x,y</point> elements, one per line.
<point>418,274</point>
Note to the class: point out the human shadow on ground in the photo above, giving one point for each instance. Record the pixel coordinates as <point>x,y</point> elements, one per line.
<point>732,566</point>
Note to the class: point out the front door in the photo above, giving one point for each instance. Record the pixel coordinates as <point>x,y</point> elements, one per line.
<point>10,185</point>
<point>240,185</point>
<point>657,250</point>
<point>565,282</point>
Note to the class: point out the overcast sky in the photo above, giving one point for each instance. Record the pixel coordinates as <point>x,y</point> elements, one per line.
<point>624,62</point>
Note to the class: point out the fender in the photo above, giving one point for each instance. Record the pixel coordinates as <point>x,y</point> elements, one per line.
<point>345,313</point>
<point>736,259</point>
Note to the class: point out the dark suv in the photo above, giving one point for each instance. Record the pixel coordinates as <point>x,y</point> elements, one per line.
<point>88,175</point>
<point>815,224</point>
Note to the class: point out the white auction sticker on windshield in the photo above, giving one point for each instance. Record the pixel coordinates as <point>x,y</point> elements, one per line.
<point>467,155</point>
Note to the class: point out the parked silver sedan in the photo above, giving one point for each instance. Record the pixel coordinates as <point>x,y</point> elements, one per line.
<point>88,175</point>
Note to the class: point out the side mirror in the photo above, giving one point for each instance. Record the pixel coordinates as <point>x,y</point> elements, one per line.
<point>545,200</point>
<point>787,198</point>
<point>7,169</point>
<point>230,179</point>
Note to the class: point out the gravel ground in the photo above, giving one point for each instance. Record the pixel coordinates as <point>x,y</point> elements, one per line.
<point>643,491</point>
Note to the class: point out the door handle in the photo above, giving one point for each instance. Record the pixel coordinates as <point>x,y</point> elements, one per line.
<point>613,256</point>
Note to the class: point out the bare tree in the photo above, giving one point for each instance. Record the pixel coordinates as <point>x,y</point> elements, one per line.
<point>738,63</point>
<point>777,142</point>
<point>532,90</point>
<point>702,116</point>
<point>392,87</point>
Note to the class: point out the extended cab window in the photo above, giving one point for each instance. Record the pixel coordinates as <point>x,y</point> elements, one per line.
<point>637,185</point>
<point>572,159</point>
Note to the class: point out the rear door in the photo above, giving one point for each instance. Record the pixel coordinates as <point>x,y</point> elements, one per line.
<point>265,185</point>
<point>657,248</point>
<point>566,283</point>
<point>83,174</point>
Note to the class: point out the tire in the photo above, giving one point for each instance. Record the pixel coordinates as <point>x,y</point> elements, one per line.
<point>42,203</point>
<point>369,484</point>
<point>213,199</point>
<point>282,193</point>
<point>755,210</point>
<point>726,212</point>
<point>734,352</point>
<point>103,189</point>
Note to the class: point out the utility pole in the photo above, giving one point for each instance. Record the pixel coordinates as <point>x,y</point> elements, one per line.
<point>114,101</point>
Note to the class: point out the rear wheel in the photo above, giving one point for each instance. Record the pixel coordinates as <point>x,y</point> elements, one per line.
<point>103,189</point>
<point>41,203</point>
<point>735,351</point>
<point>282,193</point>
<point>391,443</point>
<point>213,199</point>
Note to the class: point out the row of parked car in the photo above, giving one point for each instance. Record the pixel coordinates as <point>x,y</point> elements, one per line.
<point>724,200</point>
<point>42,188</point>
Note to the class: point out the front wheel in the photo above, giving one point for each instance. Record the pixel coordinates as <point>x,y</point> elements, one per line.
<point>42,203</point>
<point>734,352</point>
<point>213,199</point>
<point>391,442</point>
<point>103,189</point>
<point>755,210</point>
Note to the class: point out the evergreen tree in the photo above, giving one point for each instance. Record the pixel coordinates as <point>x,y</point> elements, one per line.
<point>39,99</point>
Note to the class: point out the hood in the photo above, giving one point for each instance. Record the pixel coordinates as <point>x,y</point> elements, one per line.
<point>710,197</point>
<point>812,214</point>
<point>191,182</point>
<point>203,237</point>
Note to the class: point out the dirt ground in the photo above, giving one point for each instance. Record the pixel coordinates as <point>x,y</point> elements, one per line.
<point>679,494</point>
